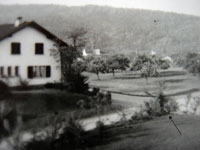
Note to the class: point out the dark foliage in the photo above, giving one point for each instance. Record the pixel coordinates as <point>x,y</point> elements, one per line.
<point>97,101</point>
<point>96,64</point>
<point>139,61</point>
<point>164,65</point>
<point>60,86</point>
<point>160,104</point>
<point>73,137</point>
<point>23,84</point>
<point>4,90</point>
<point>192,63</point>
<point>93,91</point>
<point>117,62</point>
<point>78,83</point>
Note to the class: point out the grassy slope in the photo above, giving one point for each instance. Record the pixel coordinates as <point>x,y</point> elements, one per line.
<point>158,134</point>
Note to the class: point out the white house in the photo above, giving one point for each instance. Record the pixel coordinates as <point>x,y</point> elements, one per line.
<point>25,54</point>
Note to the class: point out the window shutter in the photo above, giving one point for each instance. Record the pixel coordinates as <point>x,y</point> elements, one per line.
<point>16,71</point>
<point>30,72</point>
<point>48,71</point>
<point>9,71</point>
<point>2,71</point>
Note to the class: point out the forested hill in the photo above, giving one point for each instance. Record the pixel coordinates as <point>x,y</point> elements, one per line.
<point>114,29</point>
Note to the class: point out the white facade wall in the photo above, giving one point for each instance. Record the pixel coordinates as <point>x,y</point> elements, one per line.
<point>27,38</point>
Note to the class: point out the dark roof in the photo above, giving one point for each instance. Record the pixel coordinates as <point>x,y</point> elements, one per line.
<point>6,30</point>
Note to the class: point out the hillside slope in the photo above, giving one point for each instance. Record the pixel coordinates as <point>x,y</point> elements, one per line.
<point>115,29</point>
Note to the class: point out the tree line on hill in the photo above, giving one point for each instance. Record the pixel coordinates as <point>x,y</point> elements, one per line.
<point>114,29</point>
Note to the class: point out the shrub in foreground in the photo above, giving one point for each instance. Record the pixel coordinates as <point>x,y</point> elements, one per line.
<point>160,104</point>
<point>72,137</point>
<point>4,90</point>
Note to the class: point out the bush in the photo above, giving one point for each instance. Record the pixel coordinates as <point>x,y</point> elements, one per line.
<point>8,111</point>
<point>153,107</point>
<point>39,145</point>
<point>171,106</point>
<point>192,63</point>
<point>160,104</point>
<point>100,127</point>
<point>73,137</point>
<point>93,91</point>
<point>141,115</point>
<point>100,99</point>
<point>60,86</point>
<point>8,118</point>
<point>164,65</point>
<point>78,83</point>
<point>4,90</point>
<point>23,84</point>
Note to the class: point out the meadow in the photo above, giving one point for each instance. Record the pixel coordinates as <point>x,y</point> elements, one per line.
<point>178,81</point>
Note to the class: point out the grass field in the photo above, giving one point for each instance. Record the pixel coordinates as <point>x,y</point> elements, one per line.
<point>157,134</point>
<point>177,80</point>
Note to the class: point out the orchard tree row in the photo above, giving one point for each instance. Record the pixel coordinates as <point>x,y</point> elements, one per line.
<point>106,64</point>
<point>147,65</point>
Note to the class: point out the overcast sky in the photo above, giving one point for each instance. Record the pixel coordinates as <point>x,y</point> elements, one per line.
<point>179,6</point>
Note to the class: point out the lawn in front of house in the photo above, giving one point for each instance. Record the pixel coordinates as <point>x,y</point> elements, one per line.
<point>44,101</point>
<point>36,106</point>
<point>157,134</point>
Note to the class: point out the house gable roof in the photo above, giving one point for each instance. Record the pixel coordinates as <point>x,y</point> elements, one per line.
<point>6,30</point>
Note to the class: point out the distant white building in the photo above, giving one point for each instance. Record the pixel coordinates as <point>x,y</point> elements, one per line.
<point>95,52</point>
<point>168,59</point>
<point>153,53</point>
<point>84,53</point>
<point>25,54</point>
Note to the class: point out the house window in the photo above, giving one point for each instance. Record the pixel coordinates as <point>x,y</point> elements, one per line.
<point>9,71</point>
<point>16,71</point>
<point>39,48</point>
<point>39,71</point>
<point>15,48</point>
<point>2,71</point>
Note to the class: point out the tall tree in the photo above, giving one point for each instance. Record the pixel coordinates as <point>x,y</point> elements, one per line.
<point>96,65</point>
<point>78,38</point>
<point>117,61</point>
<point>70,65</point>
<point>147,65</point>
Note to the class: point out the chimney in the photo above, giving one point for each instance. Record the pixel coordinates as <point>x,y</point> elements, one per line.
<point>18,21</point>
